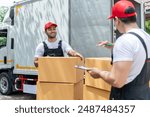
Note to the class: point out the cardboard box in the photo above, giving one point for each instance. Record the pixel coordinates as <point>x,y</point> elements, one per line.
<point>149,83</point>
<point>59,91</point>
<point>60,69</point>
<point>101,63</point>
<point>91,93</point>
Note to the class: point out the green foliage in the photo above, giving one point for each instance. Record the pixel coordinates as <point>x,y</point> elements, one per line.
<point>3,11</point>
<point>3,41</point>
<point>147,26</point>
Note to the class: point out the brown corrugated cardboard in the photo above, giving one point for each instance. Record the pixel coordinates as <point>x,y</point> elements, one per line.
<point>59,91</point>
<point>101,63</point>
<point>91,93</point>
<point>60,69</point>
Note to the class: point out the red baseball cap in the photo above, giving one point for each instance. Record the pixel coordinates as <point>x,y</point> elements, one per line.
<point>118,10</point>
<point>49,24</point>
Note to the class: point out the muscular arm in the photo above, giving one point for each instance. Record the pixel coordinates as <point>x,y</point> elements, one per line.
<point>118,75</point>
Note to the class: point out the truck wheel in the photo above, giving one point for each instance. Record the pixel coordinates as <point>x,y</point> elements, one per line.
<point>5,84</point>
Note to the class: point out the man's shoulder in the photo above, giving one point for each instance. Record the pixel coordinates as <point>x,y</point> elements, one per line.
<point>126,41</point>
<point>40,45</point>
<point>63,42</point>
<point>128,37</point>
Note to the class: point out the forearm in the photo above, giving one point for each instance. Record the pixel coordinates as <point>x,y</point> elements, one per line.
<point>36,63</point>
<point>118,75</point>
<point>75,54</point>
<point>72,53</point>
<point>105,75</point>
<point>108,77</point>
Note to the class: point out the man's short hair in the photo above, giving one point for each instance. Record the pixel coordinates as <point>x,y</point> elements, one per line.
<point>128,20</point>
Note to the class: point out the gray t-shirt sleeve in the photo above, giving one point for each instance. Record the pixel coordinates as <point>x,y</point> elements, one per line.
<point>39,50</point>
<point>66,47</point>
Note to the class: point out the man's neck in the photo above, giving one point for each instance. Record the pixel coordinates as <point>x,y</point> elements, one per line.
<point>52,39</point>
<point>131,26</point>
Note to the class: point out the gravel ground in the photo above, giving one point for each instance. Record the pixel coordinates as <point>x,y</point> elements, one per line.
<point>18,96</point>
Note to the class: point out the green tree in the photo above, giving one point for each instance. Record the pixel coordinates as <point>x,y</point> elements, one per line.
<point>3,41</point>
<point>147,26</point>
<point>3,11</point>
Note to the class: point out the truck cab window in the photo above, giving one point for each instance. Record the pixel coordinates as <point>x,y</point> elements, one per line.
<point>3,38</point>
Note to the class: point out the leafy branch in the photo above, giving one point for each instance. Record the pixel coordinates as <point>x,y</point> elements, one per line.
<point>3,11</point>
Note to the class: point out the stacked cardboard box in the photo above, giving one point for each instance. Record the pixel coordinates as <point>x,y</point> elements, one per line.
<point>96,89</point>
<point>59,80</point>
<point>91,93</point>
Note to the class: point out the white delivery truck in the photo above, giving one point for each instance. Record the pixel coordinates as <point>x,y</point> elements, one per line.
<point>82,23</point>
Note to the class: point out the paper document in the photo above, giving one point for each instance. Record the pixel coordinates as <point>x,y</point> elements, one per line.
<point>82,67</point>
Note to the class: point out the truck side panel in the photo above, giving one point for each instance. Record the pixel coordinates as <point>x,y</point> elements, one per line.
<point>89,25</point>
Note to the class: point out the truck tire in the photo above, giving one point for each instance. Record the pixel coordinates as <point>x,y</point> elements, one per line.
<point>5,84</point>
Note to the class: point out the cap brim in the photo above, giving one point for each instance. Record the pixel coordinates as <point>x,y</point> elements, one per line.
<point>111,17</point>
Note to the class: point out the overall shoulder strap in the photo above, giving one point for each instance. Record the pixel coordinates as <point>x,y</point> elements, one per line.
<point>45,46</point>
<point>60,43</point>
<point>142,41</point>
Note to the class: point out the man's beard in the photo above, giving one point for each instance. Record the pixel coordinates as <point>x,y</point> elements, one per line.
<point>51,35</point>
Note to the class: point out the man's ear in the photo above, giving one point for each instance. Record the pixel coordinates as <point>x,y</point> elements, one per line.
<point>118,21</point>
<point>116,18</point>
<point>45,31</point>
<point>136,15</point>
